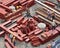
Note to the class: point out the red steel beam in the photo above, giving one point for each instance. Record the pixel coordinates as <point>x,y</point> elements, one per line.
<point>21,34</point>
<point>19,21</point>
<point>2,33</point>
<point>7,45</point>
<point>49,3</point>
<point>33,31</point>
<point>25,20</point>
<point>9,41</point>
<point>5,23</point>
<point>16,3</point>
<point>7,30</point>
<point>5,7</point>
<point>17,13</point>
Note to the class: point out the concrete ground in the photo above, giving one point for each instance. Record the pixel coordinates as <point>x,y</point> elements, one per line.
<point>28,45</point>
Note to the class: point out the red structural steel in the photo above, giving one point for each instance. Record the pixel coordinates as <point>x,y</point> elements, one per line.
<point>7,45</point>
<point>7,2</point>
<point>2,12</point>
<point>7,30</point>
<point>1,33</point>
<point>9,41</point>
<point>19,34</point>
<point>6,22</point>
<point>35,41</point>
<point>19,21</point>
<point>58,28</point>
<point>49,3</point>
<point>5,7</point>
<point>58,0</point>
<point>24,28</point>
<point>7,12</point>
<point>33,31</point>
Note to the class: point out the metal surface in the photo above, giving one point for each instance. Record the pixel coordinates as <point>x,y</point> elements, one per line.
<point>47,6</point>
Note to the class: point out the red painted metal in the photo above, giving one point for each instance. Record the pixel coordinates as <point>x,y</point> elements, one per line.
<point>5,7</point>
<point>35,41</point>
<point>9,41</point>
<point>38,32</point>
<point>16,3</point>
<point>47,36</point>
<point>49,4</point>
<point>26,39</point>
<point>7,2</point>
<point>25,21</point>
<point>30,3</point>
<point>7,45</point>
<point>21,34</point>
<point>33,31</point>
<point>19,21</point>
<point>14,29</point>
<point>26,28</point>
<point>58,0</point>
<point>1,33</point>
<point>13,15</point>
<point>2,13</point>
<point>22,1</point>
<point>7,30</point>
<point>58,28</point>
<point>5,23</point>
